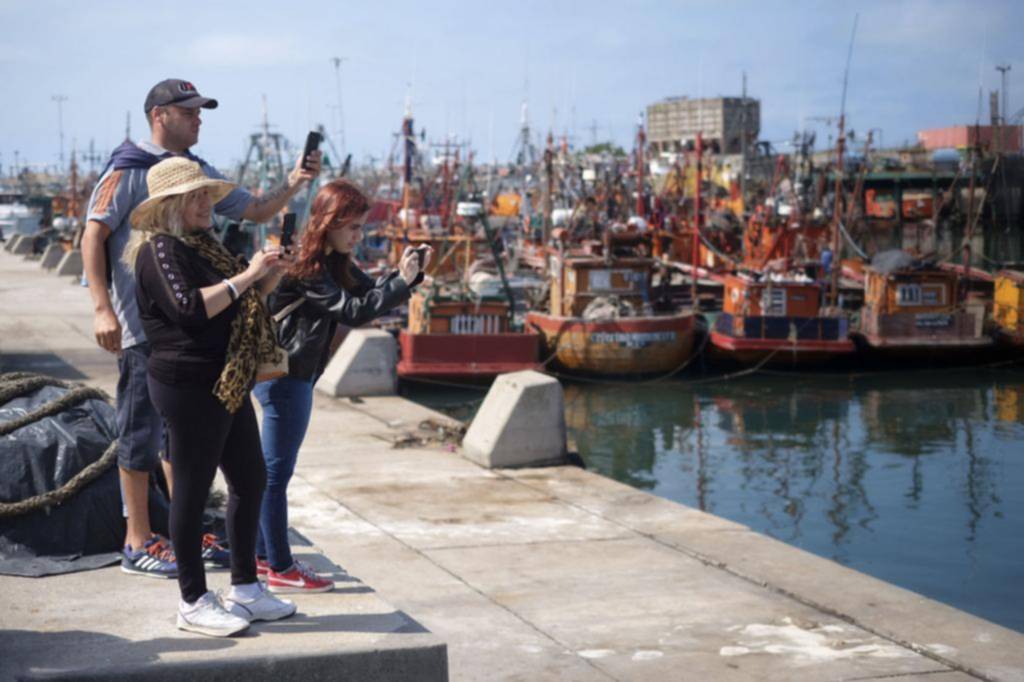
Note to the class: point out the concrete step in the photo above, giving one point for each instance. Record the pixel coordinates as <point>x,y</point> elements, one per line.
<point>106,625</point>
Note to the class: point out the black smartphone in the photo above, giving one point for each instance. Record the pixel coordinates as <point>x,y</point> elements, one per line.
<point>287,230</point>
<point>312,144</point>
<point>421,253</point>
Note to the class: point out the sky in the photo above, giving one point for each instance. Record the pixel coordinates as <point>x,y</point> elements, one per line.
<point>586,69</point>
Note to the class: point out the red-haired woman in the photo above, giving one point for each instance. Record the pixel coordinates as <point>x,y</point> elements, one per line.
<point>332,291</point>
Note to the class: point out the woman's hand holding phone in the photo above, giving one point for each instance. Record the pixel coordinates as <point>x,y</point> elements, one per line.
<point>414,261</point>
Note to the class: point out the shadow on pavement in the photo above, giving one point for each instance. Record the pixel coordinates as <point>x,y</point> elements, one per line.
<point>31,654</point>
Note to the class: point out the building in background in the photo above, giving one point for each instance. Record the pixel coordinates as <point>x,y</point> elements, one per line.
<point>673,123</point>
<point>990,138</point>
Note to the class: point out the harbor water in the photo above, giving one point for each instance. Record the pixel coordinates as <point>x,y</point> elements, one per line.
<point>914,477</point>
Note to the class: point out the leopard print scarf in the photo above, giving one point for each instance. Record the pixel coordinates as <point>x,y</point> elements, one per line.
<point>253,337</point>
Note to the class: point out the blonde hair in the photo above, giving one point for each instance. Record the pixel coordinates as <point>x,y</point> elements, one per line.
<point>165,218</point>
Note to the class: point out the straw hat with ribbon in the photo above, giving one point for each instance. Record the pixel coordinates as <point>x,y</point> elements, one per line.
<point>173,176</point>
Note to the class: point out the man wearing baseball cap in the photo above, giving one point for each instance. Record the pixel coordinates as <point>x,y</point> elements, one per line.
<point>172,110</point>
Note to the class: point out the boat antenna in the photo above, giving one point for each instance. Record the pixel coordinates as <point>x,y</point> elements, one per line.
<point>836,264</point>
<point>337,61</point>
<point>846,72</point>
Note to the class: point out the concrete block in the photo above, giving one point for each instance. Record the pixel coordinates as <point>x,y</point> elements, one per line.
<point>521,423</point>
<point>23,245</point>
<point>70,264</point>
<point>12,240</point>
<point>52,256</point>
<point>363,365</point>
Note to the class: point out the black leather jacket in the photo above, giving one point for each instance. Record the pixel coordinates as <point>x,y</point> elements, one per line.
<point>307,331</point>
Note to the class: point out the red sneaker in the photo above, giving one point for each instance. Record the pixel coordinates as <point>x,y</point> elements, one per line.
<point>262,568</point>
<point>298,578</point>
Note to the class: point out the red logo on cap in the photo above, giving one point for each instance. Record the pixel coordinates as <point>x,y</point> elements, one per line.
<point>185,86</point>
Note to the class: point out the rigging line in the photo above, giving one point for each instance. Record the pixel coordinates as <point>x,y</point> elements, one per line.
<point>849,240</point>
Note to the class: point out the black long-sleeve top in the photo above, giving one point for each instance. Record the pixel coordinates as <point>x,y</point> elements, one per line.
<point>306,333</point>
<point>186,346</point>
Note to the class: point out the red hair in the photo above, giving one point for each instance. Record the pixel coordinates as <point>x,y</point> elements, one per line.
<point>337,205</point>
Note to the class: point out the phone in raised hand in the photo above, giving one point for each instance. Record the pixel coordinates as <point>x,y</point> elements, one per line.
<point>312,144</point>
<point>421,253</point>
<point>287,230</point>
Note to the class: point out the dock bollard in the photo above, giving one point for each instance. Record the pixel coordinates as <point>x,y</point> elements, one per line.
<point>520,424</point>
<point>11,242</point>
<point>70,264</point>
<point>364,364</point>
<point>22,246</point>
<point>51,256</point>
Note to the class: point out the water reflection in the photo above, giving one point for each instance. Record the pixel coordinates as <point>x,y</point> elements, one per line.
<point>917,478</point>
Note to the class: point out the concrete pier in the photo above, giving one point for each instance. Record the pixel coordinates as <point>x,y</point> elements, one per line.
<point>525,574</point>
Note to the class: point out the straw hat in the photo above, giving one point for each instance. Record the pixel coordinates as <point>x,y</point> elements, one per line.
<point>173,176</point>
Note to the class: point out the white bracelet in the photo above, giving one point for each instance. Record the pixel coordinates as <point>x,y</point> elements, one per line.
<point>232,291</point>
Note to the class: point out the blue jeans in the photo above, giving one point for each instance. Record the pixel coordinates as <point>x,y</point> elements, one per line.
<point>287,404</point>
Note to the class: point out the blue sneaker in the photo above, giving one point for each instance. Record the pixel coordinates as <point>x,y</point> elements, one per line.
<point>214,553</point>
<point>154,560</point>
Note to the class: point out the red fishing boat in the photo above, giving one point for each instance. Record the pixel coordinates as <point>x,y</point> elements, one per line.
<point>454,338</point>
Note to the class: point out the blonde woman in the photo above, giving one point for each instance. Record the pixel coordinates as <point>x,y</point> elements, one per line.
<point>208,330</point>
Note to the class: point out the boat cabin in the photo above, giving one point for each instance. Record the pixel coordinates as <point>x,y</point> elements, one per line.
<point>577,282</point>
<point>917,304</point>
<point>456,315</point>
<point>777,308</point>
<point>767,298</point>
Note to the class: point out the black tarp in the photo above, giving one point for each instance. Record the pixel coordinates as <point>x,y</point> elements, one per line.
<point>87,530</point>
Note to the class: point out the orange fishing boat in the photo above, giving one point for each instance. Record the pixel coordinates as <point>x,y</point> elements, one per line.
<point>912,312</point>
<point>1008,308</point>
<point>602,319</point>
<point>778,319</point>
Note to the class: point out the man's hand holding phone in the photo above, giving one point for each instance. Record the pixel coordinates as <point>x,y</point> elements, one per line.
<point>307,167</point>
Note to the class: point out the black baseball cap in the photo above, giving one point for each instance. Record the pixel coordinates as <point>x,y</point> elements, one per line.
<point>179,93</point>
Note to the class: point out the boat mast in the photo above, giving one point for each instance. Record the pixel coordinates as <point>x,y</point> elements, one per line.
<point>549,187</point>
<point>969,227</point>
<point>837,210</point>
<point>697,210</point>
<point>407,151</point>
<point>641,206</point>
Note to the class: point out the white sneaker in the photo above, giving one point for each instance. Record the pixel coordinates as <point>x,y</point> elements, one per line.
<point>208,617</point>
<point>253,602</point>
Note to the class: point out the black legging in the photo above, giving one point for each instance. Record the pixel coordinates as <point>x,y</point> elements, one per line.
<point>203,435</point>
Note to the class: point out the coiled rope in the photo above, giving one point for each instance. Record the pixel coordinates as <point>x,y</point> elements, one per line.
<point>17,384</point>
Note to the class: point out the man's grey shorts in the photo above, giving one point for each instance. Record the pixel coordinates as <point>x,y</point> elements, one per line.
<point>139,426</point>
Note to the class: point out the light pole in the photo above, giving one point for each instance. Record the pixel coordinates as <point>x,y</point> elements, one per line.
<point>1003,69</point>
<point>60,99</point>
<point>341,112</point>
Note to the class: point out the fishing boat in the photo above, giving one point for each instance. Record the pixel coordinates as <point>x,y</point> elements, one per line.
<point>1008,308</point>
<point>603,320</point>
<point>778,319</point>
<point>452,336</point>
<point>912,312</point>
